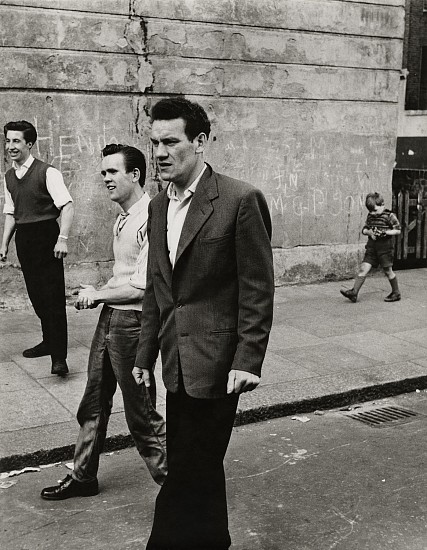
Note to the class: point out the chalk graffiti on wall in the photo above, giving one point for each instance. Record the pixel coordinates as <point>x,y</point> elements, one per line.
<point>72,152</point>
<point>315,185</point>
<point>313,176</point>
<point>304,177</point>
<point>324,179</point>
<point>76,153</point>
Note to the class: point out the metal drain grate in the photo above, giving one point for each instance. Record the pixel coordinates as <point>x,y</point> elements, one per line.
<point>384,417</point>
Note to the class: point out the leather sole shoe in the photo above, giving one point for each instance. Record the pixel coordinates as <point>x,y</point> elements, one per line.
<point>59,367</point>
<point>350,294</point>
<point>69,488</point>
<point>393,297</point>
<point>37,351</point>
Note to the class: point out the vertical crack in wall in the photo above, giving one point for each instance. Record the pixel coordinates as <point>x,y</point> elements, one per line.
<point>137,117</point>
<point>145,116</point>
<point>136,37</point>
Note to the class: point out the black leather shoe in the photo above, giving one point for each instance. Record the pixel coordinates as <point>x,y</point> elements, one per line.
<point>393,297</point>
<point>59,367</point>
<point>350,294</point>
<point>37,351</point>
<point>69,488</point>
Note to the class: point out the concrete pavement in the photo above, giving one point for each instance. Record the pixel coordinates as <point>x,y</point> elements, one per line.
<point>324,352</point>
<point>333,483</point>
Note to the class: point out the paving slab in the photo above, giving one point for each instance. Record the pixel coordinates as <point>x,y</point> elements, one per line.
<point>417,336</point>
<point>380,346</point>
<point>330,484</point>
<point>13,379</point>
<point>324,351</point>
<point>30,407</point>
<point>4,355</point>
<point>281,369</point>
<point>284,336</point>
<point>324,325</point>
<point>420,361</point>
<point>326,359</point>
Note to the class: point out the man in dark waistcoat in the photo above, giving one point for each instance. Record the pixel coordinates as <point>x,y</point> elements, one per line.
<point>35,196</point>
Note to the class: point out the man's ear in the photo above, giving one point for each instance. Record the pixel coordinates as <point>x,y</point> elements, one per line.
<point>30,144</point>
<point>136,174</point>
<point>200,141</point>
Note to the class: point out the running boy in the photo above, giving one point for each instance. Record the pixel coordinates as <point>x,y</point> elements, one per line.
<point>380,226</point>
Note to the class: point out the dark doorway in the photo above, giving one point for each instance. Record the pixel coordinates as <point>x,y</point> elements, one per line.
<point>410,206</point>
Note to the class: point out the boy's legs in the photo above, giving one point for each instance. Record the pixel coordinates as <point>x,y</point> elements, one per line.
<point>364,270</point>
<point>385,259</point>
<point>360,278</point>
<point>394,296</point>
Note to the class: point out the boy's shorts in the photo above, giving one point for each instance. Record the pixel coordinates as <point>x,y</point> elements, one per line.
<point>379,252</point>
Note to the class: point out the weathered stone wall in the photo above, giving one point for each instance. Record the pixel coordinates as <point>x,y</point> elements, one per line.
<point>302,95</point>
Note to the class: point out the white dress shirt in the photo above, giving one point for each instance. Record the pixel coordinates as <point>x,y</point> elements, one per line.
<point>177,212</point>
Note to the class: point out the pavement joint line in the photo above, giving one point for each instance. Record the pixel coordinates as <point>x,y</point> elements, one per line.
<point>53,396</point>
<point>243,417</point>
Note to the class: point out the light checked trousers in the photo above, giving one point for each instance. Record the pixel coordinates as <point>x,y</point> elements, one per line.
<point>111,360</point>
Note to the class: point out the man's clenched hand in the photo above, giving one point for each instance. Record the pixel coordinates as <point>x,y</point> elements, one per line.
<point>240,381</point>
<point>142,376</point>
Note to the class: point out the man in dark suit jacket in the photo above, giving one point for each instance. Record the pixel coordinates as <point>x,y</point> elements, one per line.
<point>208,307</point>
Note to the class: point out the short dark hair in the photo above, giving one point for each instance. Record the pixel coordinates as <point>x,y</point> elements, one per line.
<point>373,200</point>
<point>195,117</point>
<point>133,158</point>
<point>30,133</point>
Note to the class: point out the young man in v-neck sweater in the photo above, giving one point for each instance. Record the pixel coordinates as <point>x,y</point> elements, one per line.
<point>35,196</point>
<point>114,345</point>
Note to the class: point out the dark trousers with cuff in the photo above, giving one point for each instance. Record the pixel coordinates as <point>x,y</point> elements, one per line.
<point>191,507</point>
<point>44,279</point>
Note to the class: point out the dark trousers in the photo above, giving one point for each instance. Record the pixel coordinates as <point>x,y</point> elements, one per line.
<point>44,278</point>
<point>111,360</point>
<point>191,507</point>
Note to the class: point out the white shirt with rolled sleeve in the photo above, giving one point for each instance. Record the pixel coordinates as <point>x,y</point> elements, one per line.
<point>54,183</point>
<point>130,248</point>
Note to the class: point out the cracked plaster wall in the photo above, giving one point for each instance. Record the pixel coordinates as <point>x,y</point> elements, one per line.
<point>303,104</point>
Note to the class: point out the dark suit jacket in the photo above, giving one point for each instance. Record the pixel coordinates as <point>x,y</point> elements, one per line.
<point>213,311</point>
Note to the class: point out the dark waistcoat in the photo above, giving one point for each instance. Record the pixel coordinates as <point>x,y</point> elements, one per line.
<point>30,196</point>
